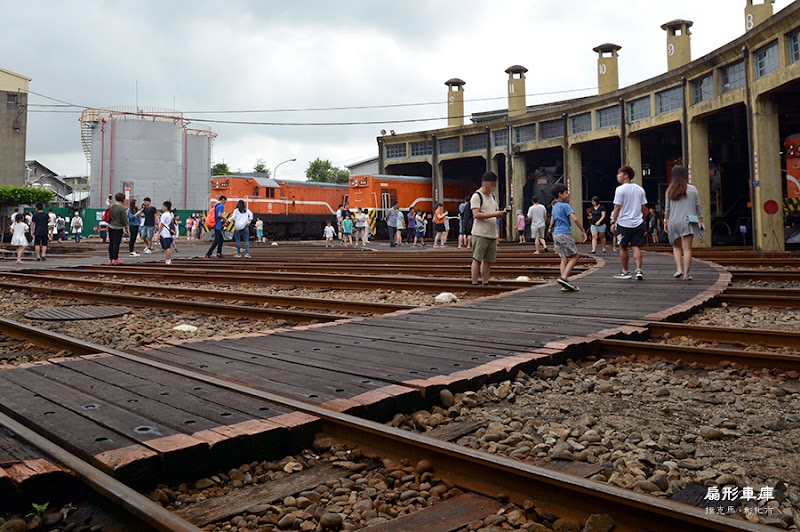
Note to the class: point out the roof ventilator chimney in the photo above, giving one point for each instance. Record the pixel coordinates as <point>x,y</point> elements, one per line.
<point>455,102</point>
<point>607,67</point>
<point>679,44</point>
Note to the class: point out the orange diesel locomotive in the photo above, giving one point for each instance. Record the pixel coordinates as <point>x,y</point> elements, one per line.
<point>379,192</point>
<point>289,209</point>
<point>300,209</point>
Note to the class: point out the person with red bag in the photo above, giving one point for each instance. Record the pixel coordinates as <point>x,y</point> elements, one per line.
<point>217,216</point>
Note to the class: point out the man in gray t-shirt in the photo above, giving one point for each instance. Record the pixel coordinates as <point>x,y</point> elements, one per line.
<point>391,223</point>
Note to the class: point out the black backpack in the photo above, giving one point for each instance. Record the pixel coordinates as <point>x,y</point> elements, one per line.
<point>468,217</point>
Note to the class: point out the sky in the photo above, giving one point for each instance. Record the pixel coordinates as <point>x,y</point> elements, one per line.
<point>284,57</point>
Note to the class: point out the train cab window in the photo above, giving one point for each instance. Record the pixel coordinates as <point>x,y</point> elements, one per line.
<point>255,192</point>
<point>271,193</point>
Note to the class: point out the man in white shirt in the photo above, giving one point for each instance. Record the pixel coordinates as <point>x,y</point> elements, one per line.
<point>166,231</point>
<point>630,209</point>
<point>51,224</point>
<point>484,228</point>
<point>537,214</point>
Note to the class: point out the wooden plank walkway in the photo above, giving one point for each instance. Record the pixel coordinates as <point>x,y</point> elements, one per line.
<point>143,425</point>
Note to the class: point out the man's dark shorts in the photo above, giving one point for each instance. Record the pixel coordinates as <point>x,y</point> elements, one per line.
<point>40,240</point>
<point>631,236</point>
<point>166,243</point>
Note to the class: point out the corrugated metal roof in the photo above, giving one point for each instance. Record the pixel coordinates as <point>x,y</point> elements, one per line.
<point>78,195</point>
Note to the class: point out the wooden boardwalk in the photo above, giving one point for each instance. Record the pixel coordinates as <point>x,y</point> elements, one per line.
<point>145,425</point>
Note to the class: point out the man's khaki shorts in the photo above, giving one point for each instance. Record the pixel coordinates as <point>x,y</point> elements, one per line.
<point>484,249</point>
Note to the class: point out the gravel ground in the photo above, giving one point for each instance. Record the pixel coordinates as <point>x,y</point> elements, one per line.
<point>653,426</point>
<point>767,284</point>
<point>365,493</point>
<point>20,352</point>
<point>780,319</point>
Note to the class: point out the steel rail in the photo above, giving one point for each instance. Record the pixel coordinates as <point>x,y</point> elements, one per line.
<point>754,300</point>
<point>468,468</point>
<point>200,307</point>
<point>757,261</point>
<point>336,282</point>
<point>762,291</point>
<point>765,275</point>
<point>389,260</point>
<point>705,355</point>
<point>133,502</point>
<point>292,301</point>
<point>727,335</point>
<point>761,297</point>
<point>426,270</point>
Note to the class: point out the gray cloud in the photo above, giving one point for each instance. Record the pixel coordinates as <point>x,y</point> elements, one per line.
<point>252,54</point>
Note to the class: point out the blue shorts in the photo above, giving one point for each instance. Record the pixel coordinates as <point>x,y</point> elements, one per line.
<point>260,233</point>
<point>147,231</point>
<point>166,243</point>
<point>420,234</point>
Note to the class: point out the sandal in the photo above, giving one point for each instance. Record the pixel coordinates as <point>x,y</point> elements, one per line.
<point>677,274</point>
<point>687,277</point>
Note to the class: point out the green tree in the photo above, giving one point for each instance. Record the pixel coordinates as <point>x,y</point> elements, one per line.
<point>323,171</point>
<point>220,169</point>
<point>24,196</point>
<point>261,167</point>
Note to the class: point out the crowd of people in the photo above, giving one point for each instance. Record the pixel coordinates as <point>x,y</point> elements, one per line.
<point>630,224</point>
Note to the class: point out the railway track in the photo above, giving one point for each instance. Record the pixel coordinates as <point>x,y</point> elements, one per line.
<point>766,275</point>
<point>424,270</point>
<point>732,344</point>
<point>761,297</point>
<point>316,280</point>
<point>201,307</point>
<point>467,469</point>
<point>142,513</point>
<point>226,295</point>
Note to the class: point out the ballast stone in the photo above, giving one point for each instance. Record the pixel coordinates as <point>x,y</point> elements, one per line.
<point>185,328</point>
<point>445,297</point>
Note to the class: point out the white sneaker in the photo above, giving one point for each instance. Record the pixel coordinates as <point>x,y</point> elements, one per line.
<point>148,250</point>
<point>134,254</point>
<point>168,262</point>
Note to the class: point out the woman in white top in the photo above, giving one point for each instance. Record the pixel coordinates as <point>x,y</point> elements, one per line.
<point>361,226</point>
<point>18,237</point>
<point>76,225</point>
<point>242,217</point>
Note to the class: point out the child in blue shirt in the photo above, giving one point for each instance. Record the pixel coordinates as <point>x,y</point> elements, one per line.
<point>561,229</point>
<point>347,230</point>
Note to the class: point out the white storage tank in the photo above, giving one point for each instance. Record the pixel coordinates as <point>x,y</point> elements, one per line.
<point>147,153</point>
